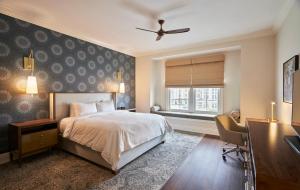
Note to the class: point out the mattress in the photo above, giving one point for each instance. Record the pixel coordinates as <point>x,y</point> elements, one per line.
<point>113,133</point>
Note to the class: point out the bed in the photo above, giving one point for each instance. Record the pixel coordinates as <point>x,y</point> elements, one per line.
<point>110,139</point>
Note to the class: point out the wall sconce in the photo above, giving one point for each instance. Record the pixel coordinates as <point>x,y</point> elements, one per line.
<point>28,63</point>
<point>31,84</point>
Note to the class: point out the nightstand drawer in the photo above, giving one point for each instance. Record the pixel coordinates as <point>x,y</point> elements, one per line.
<point>38,140</point>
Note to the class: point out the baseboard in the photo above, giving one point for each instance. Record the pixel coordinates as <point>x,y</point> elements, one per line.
<point>4,158</point>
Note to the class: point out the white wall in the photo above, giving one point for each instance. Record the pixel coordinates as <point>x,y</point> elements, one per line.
<point>256,74</point>
<point>257,77</point>
<point>231,92</point>
<point>287,45</point>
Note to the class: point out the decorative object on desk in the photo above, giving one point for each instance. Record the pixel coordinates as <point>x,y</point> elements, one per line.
<point>31,84</point>
<point>273,104</point>
<point>289,68</point>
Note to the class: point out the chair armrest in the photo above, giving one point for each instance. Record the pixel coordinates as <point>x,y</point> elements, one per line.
<point>234,137</point>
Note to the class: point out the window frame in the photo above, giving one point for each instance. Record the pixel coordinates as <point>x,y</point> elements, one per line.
<point>192,99</point>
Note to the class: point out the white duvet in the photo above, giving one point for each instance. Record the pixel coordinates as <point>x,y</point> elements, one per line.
<point>112,133</point>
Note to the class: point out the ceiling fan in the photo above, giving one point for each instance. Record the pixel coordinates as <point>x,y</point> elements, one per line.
<point>162,32</point>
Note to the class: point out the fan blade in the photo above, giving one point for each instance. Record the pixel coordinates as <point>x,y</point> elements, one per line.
<point>158,37</point>
<point>177,31</point>
<point>146,30</point>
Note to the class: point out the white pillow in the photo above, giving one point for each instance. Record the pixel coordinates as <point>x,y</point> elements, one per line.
<point>106,106</point>
<point>79,109</point>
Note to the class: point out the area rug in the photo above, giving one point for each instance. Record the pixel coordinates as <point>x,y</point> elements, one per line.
<point>61,170</point>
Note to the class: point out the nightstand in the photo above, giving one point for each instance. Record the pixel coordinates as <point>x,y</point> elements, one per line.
<point>31,137</point>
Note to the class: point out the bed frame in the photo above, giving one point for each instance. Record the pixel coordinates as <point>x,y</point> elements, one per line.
<point>59,109</point>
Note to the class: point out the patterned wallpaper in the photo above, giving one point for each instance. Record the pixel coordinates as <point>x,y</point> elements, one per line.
<point>63,64</point>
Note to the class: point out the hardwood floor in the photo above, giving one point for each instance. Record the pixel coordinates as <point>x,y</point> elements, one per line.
<point>205,169</point>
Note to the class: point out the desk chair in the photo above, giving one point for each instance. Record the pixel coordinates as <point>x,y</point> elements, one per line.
<point>231,133</point>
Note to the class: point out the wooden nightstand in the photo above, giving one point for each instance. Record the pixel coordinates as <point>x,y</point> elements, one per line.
<point>31,137</point>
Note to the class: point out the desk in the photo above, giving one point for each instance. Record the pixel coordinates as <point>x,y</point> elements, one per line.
<point>272,163</point>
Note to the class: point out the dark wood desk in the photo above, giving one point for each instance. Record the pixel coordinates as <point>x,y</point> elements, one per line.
<point>275,165</point>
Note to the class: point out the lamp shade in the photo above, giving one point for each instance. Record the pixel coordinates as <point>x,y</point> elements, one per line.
<point>122,87</point>
<point>31,86</point>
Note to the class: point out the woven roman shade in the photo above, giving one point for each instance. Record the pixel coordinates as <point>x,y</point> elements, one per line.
<point>197,72</point>
<point>178,73</point>
<point>208,71</point>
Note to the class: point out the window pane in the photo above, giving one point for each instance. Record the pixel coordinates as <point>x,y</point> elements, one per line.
<point>179,99</point>
<point>207,99</point>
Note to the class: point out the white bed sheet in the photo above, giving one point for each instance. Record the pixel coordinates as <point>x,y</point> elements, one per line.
<point>112,133</point>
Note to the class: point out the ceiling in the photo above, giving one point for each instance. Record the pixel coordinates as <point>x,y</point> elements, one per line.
<point>112,23</point>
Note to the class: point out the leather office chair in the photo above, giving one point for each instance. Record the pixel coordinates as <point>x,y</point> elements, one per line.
<point>231,133</point>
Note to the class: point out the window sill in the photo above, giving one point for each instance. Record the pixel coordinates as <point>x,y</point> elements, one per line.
<point>186,115</point>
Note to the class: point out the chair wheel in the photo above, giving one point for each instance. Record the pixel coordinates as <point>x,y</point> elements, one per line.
<point>224,158</point>
<point>224,150</point>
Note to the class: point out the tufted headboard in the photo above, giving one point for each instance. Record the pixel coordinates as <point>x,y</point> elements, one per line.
<point>59,102</point>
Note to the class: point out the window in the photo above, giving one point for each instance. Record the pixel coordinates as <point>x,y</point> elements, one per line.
<point>195,100</point>
<point>179,99</point>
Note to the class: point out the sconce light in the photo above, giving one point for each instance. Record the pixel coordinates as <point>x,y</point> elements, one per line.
<point>31,84</point>
<point>122,87</point>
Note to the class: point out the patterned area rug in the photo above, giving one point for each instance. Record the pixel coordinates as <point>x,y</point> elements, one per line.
<point>60,170</point>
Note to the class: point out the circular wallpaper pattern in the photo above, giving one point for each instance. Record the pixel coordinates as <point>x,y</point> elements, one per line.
<point>108,55</point>
<point>41,56</point>
<point>81,55</point>
<point>56,49</point>
<point>5,118</point>
<point>64,64</point>
<point>70,44</point>
<point>4,27</point>
<point>91,65</point>
<point>121,58</point>
<point>100,87</point>
<point>42,96</point>
<point>70,78</point>
<point>91,50</point>
<point>100,73</point>
<point>57,86</point>
<point>108,68</point>
<point>81,71</point>
<point>82,87</point>
<point>24,106</point>
<point>100,59</point>
<point>92,80</point>
<point>19,64</point>
<point>70,61</point>
<point>5,96</point>
<point>115,63</point>
<point>4,73</point>
<point>22,42</point>
<point>40,36</point>
<point>4,49</point>
<point>42,76</point>
<point>56,68</point>
<point>127,65</point>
